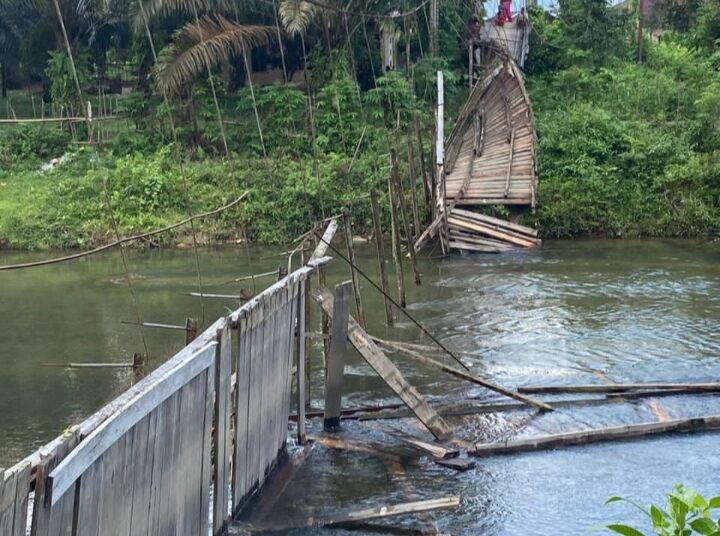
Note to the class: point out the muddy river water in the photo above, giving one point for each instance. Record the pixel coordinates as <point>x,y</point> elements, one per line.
<point>585,311</point>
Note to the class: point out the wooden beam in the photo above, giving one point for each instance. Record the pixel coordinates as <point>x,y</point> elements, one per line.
<point>621,387</point>
<point>377,359</point>
<point>380,247</point>
<point>336,356</point>
<point>301,364</point>
<point>542,406</point>
<point>617,433</point>
<point>353,515</point>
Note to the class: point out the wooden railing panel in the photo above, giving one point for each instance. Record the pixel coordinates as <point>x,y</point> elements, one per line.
<point>222,434</point>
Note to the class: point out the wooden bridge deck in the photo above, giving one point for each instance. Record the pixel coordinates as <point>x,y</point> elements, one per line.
<point>491,151</point>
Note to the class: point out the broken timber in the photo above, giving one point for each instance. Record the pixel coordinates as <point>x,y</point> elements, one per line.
<point>542,406</point>
<point>488,162</point>
<point>617,433</point>
<point>388,371</point>
<point>351,516</point>
<point>621,388</point>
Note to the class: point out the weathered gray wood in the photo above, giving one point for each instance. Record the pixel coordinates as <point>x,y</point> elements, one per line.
<point>14,491</point>
<point>617,433</point>
<point>242,393</point>
<point>142,474</point>
<point>323,245</point>
<point>621,387</point>
<point>388,371</point>
<point>431,448</point>
<point>395,236</point>
<point>222,436</point>
<point>205,455</point>
<point>70,469</point>
<point>301,364</point>
<point>354,515</point>
<point>336,358</point>
<point>49,519</point>
<point>255,395</point>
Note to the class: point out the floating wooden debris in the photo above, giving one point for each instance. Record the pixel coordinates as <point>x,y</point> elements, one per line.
<point>458,464</point>
<point>431,448</point>
<point>622,387</point>
<point>617,433</point>
<point>341,517</point>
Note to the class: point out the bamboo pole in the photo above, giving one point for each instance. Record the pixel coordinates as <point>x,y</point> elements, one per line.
<point>347,220</point>
<point>413,186</point>
<point>400,194</point>
<point>380,248</point>
<point>397,254</point>
<point>426,181</point>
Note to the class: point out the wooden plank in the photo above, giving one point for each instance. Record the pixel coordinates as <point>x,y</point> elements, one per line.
<point>142,476</point>
<point>431,448</point>
<point>300,337</point>
<point>105,435</point>
<point>49,519</point>
<point>380,249</point>
<point>336,356</point>
<point>510,163</point>
<point>522,229</point>
<point>355,515</point>
<point>14,491</point>
<point>206,459</point>
<point>242,402</point>
<point>388,371</point>
<point>621,387</point>
<point>490,231</point>
<point>323,244</point>
<point>617,433</point>
<point>255,407</point>
<point>222,431</point>
<point>347,220</point>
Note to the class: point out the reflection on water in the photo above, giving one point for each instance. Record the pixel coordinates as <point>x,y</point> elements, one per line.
<point>628,310</point>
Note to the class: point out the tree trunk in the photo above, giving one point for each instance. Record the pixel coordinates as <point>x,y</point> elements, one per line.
<point>3,80</point>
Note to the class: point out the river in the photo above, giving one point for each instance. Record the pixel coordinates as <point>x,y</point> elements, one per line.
<point>567,313</point>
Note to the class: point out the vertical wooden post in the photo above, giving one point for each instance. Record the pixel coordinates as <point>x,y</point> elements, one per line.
<point>305,289</point>
<point>380,248</point>
<point>413,187</point>
<point>347,220</point>
<point>400,194</point>
<point>434,27</point>
<point>423,169</point>
<point>191,328</point>
<point>301,356</point>
<point>138,370</point>
<point>397,254</point>
<point>336,358</point>
<point>324,318</point>
<point>440,161</point>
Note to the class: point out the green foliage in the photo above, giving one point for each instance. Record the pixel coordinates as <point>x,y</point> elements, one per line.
<point>62,89</point>
<point>30,143</point>
<point>631,149</point>
<point>687,513</point>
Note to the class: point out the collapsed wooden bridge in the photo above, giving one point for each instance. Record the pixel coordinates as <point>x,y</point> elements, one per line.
<point>489,157</point>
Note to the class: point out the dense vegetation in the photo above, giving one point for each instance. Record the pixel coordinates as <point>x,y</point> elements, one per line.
<point>626,147</point>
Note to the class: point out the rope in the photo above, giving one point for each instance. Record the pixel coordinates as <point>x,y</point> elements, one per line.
<point>120,241</point>
<point>396,304</point>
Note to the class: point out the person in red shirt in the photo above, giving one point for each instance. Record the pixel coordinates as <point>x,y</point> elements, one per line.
<point>506,10</point>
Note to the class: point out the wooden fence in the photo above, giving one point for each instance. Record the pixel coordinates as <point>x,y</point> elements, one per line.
<point>144,463</point>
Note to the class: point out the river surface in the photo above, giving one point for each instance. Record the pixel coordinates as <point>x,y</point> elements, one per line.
<point>586,311</point>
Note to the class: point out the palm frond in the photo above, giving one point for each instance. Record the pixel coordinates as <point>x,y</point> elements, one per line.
<point>206,43</point>
<point>296,15</point>
<point>153,9</point>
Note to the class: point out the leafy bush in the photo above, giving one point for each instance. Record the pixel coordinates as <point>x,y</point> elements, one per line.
<point>33,143</point>
<point>687,513</point>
